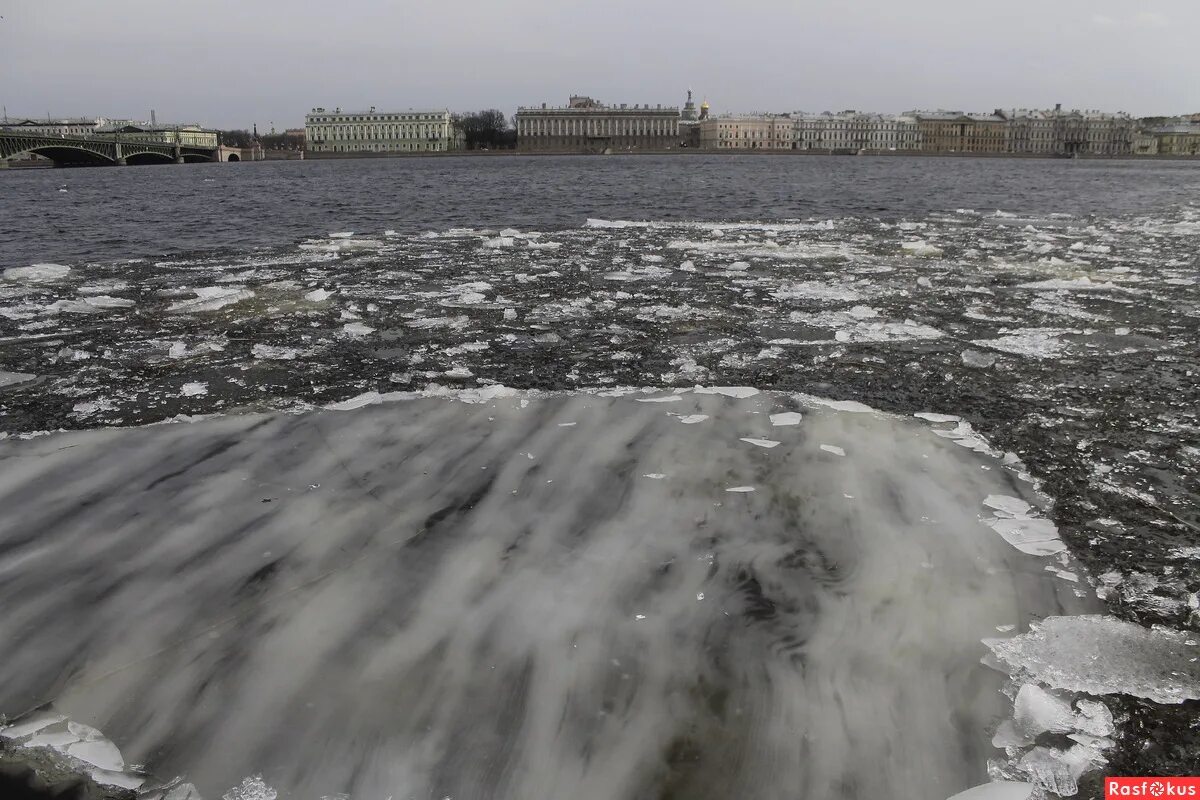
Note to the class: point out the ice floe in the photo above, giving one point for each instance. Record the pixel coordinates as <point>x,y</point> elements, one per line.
<point>37,273</point>
<point>212,298</point>
<point>14,378</point>
<point>998,790</point>
<point>1103,655</point>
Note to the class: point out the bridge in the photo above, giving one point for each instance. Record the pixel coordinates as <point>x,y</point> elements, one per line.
<point>107,149</point>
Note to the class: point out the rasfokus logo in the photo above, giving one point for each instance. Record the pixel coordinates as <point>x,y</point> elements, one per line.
<point>1151,787</point>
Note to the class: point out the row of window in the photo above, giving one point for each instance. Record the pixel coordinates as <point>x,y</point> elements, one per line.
<point>390,147</point>
<point>379,118</point>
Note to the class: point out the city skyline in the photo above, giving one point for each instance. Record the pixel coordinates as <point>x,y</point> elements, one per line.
<point>239,64</point>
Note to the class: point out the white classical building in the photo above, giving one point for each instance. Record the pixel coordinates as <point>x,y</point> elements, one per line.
<point>751,132</point>
<point>851,131</point>
<point>587,125</point>
<point>375,131</point>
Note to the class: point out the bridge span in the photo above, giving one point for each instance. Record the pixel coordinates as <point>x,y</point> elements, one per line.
<point>108,149</point>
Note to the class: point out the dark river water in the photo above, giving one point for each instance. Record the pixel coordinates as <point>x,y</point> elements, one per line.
<point>598,576</point>
<point>158,210</point>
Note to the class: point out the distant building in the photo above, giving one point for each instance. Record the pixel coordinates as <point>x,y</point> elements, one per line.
<point>586,125</point>
<point>825,132</point>
<point>1178,140</point>
<point>374,131</point>
<point>1031,131</point>
<point>945,131</point>
<point>190,134</point>
<point>853,132</point>
<point>755,132</point>
<point>71,126</point>
<point>1145,144</point>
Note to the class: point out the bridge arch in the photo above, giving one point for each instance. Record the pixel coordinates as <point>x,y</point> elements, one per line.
<point>66,155</point>
<point>149,157</point>
<point>234,157</point>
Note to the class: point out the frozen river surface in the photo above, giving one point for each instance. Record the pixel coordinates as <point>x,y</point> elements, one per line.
<point>719,595</point>
<point>348,602</point>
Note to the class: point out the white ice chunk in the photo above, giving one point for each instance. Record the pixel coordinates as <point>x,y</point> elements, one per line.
<point>833,448</point>
<point>929,416</point>
<point>1037,537</point>
<point>1012,505</point>
<point>194,389</point>
<point>123,780</point>
<point>317,295</point>
<point>740,489</point>
<point>53,739</point>
<point>837,405</point>
<point>273,353</point>
<point>1100,654</point>
<point>211,298</point>
<point>30,725</point>
<point>786,418</point>
<point>439,322</point>
<point>920,248</point>
<point>1036,711</point>
<point>88,305</point>
<point>692,419</point>
<point>357,329</point>
<point>100,753</point>
<point>13,378</point>
<point>671,398</point>
<point>728,391</point>
<point>37,273</point>
<point>364,399</point>
<point>251,788</point>
<point>767,443</point>
<point>657,476</point>
<point>1094,718</point>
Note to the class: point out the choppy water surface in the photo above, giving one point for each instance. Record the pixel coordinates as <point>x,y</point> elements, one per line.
<point>1053,306</point>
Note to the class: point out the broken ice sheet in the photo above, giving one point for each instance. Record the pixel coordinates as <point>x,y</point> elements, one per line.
<point>1100,655</point>
<point>999,790</point>
<point>767,443</point>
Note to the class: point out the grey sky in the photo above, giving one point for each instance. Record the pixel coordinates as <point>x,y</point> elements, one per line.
<point>231,63</point>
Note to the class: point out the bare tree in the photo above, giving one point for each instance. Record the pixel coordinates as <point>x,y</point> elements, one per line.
<point>485,130</point>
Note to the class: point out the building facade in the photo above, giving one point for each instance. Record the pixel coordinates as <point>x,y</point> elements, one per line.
<point>1178,140</point>
<point>375,131</point>
<point>756,132</point>
<point>191,134</point>
<point>853,132</point>
<point>585,125</point>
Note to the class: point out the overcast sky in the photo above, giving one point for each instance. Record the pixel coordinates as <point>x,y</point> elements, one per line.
<point>231,63</point>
